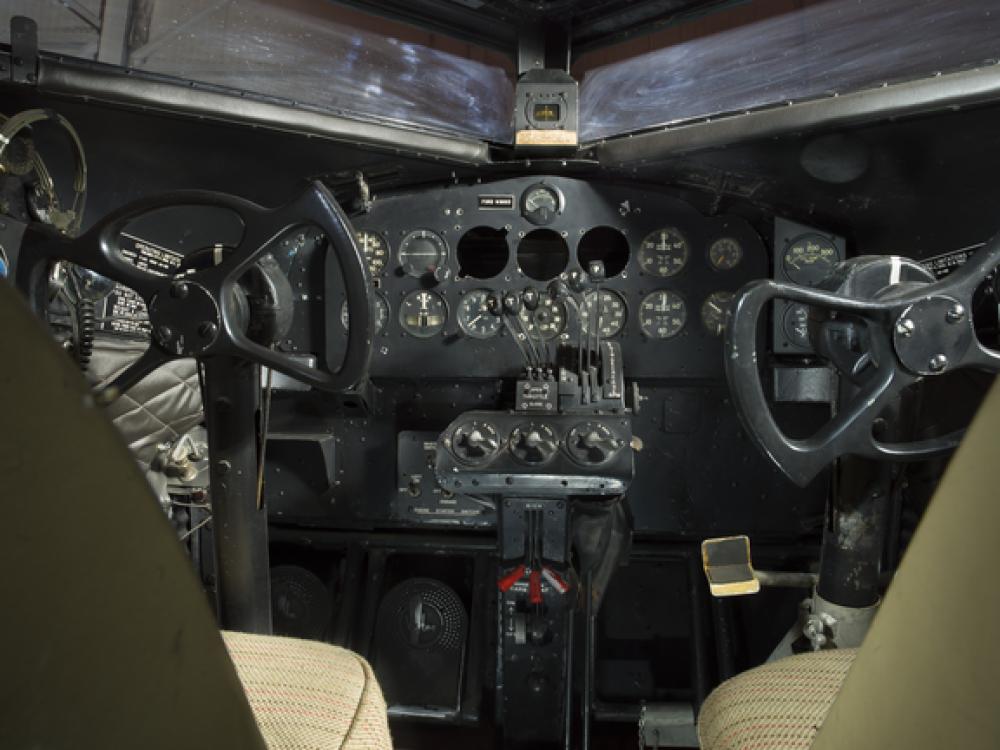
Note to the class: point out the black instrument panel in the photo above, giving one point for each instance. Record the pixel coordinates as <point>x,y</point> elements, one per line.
<point>436,254</point>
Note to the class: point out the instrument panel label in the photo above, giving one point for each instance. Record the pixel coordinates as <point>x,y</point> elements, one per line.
<point>496,202</point>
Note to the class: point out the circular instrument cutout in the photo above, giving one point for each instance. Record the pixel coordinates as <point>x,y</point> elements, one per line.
<point>542,254</point>
<point>607,245</point>
<point>482,252</point>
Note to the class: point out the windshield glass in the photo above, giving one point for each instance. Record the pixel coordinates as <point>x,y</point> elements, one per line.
<point>316,54</point>
<point>796,53</point>
<point>325,56</point>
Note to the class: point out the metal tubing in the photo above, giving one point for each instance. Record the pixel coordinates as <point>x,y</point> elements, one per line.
<point>239,526</point>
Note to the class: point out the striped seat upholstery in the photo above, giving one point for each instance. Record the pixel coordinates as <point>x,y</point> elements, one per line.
<point>777,706</point>
<point>309,696</point>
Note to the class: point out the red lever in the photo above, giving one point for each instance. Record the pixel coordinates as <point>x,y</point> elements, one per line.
<point>535,587</point>
<point>505,583</point>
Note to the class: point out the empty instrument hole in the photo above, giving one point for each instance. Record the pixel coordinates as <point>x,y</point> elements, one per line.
<point>542,254</point>
<point>483,252</point>
<point>607,245</point>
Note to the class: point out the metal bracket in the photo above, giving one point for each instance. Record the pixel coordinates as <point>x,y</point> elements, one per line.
<point>23,50</point>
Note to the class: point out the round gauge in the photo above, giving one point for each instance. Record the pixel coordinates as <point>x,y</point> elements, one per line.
<point>422,313</point>
<point>809,259</point>
<point>662,314</point>
<point>592,443</point>
<point>381,314</point>
<point>375,249</point>
<point>533,443</point>
<point>725,254</point>
<point>796,324</point>
<point>610,313</point>
<point>546,321</point>
<point>663,252</point>
<point>475,442</point>
<point>476,317</point>
<point>714,310</point>
<point>422,252</point>
<point>540,204</point>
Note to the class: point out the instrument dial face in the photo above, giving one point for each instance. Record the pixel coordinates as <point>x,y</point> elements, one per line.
<point>663,252</point>
<point>610,313</point>
<point>714,310</point>
<point>662,314</point>
<point>423,314</point>
<point>475,316</point>
<point>422,252</point>
<point>533,443</point>
<point>381,314</point>
<point>375,249</point>
<point>725,254</point>
<point>546,321</point>
<point>540,204</point>
<point>809,259</point>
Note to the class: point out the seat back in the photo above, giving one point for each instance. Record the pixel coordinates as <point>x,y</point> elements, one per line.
<point>926,675</point>
<point>106,638</point>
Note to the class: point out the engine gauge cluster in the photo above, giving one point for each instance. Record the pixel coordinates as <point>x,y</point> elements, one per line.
<point>477,277</point>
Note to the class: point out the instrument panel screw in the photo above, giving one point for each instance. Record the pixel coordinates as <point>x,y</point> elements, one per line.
<point>207,329</point>
<point>938,363</point>
<point>906,327</point>
<point>956,314</point>
<point>179,290</point>
<point>164,333</point>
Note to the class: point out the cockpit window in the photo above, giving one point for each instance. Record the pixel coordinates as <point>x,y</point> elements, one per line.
<point>759,54</point>
<point>316,54</point>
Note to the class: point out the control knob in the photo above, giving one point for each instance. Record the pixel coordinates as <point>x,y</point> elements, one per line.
<point>475,442</point>
<point>533,443</point>
<point>592,443</point>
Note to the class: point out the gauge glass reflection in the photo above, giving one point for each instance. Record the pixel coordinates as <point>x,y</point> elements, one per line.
<point>662,314</point>
<point>476,317</point>
<point>714,310</point>
<point>422,313</point>
<point>664,252</point>
<point>610,313</point>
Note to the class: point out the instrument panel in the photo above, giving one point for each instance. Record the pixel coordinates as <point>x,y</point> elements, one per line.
<point>441,260</point>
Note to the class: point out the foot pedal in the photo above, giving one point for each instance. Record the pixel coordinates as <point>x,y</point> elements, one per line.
<point>728,567</point>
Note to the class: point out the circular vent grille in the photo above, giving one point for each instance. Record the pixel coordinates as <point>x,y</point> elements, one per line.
<point>424,613</point>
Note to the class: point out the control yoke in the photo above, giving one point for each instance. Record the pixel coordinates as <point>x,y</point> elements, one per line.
<point>909,331</point>
<point>203,312</point>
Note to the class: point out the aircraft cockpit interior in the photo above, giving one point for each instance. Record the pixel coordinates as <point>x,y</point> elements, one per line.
<point>521,374</point>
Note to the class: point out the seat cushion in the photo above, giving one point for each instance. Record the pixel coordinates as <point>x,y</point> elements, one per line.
<point>310,696</point>
<point>777,706</point>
